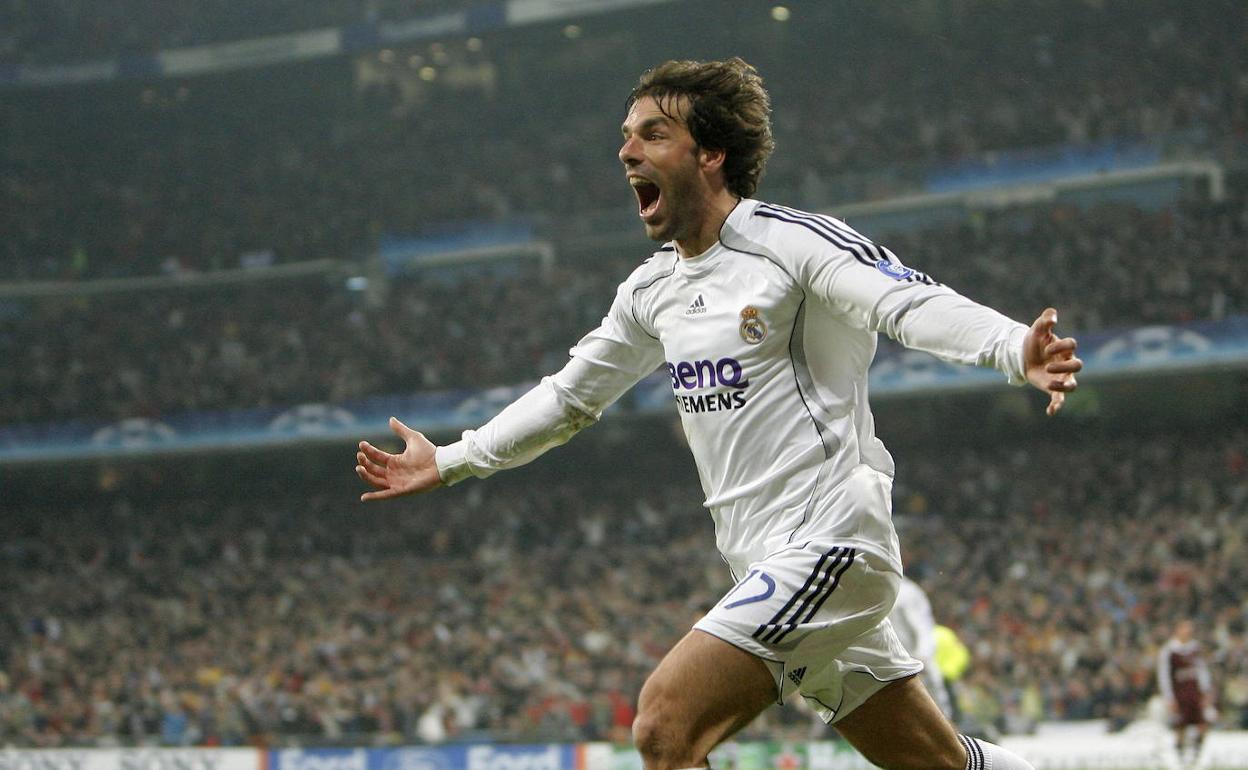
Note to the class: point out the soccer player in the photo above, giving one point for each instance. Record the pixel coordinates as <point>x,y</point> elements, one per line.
<point>765,320</point>
<point>1185,685</point>
<point>915,626</point>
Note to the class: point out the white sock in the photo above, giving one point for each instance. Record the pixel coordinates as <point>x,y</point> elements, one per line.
<point>981,755</point>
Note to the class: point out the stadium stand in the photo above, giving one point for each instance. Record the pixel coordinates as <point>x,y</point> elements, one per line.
<point>183,616</point>
<point>308,340</point>
<point>241,599</point>
<point>344,150</point>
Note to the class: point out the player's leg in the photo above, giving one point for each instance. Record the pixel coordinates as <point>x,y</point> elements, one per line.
<point>1198,741</point>
<point>703,691</point>
<point>900,727</point>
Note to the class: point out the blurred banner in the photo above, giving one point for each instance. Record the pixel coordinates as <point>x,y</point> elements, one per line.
<point>1042,164</point>
<point>1146,350</point>
<point>459,245</point>
<point>133,759</point>
<point>255,52</point>
<point>1144,745</point>
<point>310,44</point>
<point>486,756</point>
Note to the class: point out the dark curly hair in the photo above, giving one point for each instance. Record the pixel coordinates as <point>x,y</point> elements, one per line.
<point>728,110</point>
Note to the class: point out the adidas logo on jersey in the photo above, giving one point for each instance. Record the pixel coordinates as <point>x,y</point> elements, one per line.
<point>697,307</point>
<point>796,675</point>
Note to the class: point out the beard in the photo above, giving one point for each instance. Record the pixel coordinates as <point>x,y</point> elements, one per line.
<point>683,207</point>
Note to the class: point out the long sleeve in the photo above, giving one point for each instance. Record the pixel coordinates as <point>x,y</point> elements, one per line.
<point>869,288</point>
<point>604,364</point>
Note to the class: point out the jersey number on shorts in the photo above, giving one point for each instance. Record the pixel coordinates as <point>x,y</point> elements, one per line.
<point>771,589</point>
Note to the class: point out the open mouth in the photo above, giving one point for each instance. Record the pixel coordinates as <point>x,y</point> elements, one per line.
<point>648,195</point>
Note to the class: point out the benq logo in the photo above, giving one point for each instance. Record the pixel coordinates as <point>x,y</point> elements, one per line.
<point>692,375</point>
<point>491,758</point>
<point>893,270</point>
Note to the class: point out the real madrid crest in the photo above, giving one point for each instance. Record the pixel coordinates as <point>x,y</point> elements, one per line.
<point>753,330</point>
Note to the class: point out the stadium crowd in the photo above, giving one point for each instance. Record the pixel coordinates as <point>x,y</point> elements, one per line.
<point>315,161</point>
<point>291,342</point>
<point>178,616</point>
<point>210,619</point>
<point>70,31</point>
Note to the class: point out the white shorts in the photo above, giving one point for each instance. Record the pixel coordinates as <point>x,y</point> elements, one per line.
<point>817,614</point>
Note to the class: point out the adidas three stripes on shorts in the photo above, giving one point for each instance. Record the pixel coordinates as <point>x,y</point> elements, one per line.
<point>817,614</point>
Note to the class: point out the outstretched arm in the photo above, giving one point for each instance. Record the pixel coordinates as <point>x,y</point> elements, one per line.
<point>604,364</point>
<point>391,475</point>
<point>868,288</point>
<point>532,424</point>
<point>1050,361</point>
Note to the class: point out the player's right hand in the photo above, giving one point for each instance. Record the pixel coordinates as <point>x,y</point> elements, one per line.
<point>394,475</point>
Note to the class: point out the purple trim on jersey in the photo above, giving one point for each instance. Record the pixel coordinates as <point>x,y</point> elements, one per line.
<point>832,239</point>
<point>835,582</point>
<point>881,254</point>
<point>775,619</point>
<point>834,231</point>
<point>632,306</point>
<point>797,339</point>
<point>774,630</point>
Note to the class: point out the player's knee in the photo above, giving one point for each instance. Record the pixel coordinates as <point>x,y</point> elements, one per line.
<point>661,742</point>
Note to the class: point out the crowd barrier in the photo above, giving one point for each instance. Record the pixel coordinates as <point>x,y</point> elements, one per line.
<point>1143,746</point>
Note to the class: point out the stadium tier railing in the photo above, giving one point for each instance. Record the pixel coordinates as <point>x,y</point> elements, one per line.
<point>1151,350</point>
<point>216,279</point>
<point>1148,186</point>
<point>310,44</point>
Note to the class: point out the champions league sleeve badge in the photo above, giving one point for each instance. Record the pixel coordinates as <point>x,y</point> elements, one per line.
<point>753,330</point>
<point>893,270</point>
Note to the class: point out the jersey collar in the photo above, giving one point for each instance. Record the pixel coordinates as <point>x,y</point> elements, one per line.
<point>705,262</point>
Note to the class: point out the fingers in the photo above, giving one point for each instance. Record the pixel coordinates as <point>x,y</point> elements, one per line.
<point>1066,366</point>
<point>1043,326</point>
<point>371,478</point>
<point>1064,385</point>
<point>1060,386</point>
<point>365,462</point>
<point>401,430</point>
<point>381,494</point>
<point>1064,346</point>
<point>378,456</point>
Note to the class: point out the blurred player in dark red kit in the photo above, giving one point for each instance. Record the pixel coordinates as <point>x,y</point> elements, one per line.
<point>1184,681</point>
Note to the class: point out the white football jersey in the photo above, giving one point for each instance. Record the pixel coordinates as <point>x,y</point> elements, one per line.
<point>766,339</point>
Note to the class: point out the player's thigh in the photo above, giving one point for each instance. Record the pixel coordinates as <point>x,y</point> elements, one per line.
<point>900,727</point>
<point>703,691</point>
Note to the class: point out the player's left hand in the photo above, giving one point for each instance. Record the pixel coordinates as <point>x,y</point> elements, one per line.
<point>1050,362</point>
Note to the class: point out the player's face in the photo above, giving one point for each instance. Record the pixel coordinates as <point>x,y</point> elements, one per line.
<point>661,162</point>
<point>1183,630</point>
